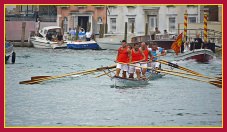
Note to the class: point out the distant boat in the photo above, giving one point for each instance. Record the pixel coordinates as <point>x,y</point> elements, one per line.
<point>41,41</point>
<point>203,55</point>
<point>83,45</point>
<point>112,41</point>
<point>164,41</point>
<point>9,52</point>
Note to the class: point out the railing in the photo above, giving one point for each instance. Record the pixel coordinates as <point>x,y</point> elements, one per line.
<point>19,18</point>
<point>213,35</point>
<point>31,18</point>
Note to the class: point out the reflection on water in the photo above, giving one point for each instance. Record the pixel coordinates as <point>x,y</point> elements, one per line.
<point>89,101</point>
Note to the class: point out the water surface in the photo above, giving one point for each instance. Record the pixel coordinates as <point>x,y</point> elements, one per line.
<point>90,101</point>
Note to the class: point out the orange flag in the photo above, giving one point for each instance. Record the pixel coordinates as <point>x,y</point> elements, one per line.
<point>177,44</point>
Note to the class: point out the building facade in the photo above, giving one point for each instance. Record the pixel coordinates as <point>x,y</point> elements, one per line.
<point>166,17</point>
<point>80,15</point>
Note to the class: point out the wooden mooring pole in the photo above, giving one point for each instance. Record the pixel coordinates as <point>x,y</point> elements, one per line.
<point>146,29</point>
<point>106,28</point>
<point>125,36</point>
<point>23,33</point>
<point>101,31</point>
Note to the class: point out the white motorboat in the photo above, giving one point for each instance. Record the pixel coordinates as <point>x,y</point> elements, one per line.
<point>41,41</point>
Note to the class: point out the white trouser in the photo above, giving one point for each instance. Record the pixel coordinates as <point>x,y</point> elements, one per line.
<point>143,65</point>
<point>154,64</point>
<point>123,67</point>
<point>133,68</point>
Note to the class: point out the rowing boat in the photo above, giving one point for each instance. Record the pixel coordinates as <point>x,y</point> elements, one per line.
<point>129,82</point>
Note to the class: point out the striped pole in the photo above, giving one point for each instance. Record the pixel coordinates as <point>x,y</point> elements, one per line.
<point>205,27</point>
<point>185,25</point>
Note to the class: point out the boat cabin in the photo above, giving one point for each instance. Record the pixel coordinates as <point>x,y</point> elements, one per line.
<point>50,32</point>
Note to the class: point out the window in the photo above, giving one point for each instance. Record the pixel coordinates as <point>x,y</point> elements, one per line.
<point>113,27</point>
<point>23,8</point>
<point>172,24</point>
<point>130,21</point>
<point>192,20</point>
<point>26,9</point>
<point>152,22</point>
<point>30,8</point>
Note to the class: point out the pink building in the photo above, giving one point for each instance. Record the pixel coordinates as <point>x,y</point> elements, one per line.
<point>81,15</point>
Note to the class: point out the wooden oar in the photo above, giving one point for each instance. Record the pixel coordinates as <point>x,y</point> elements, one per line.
<point>202,76</point>
<point>218,84</point>
<point>188,70</point>
<point>178,67</point>
<point>105,73</point>
<point>64,75</point>
<point>35,80</point>
<point>38,77</point>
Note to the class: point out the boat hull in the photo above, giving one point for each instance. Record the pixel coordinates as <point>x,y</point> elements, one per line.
<point>41,45</point>
<point>40,42</point>
<point>199,55</point>
<point>59,46</point>
<point>126,82</point>
<point>110,46</point>
<point>112,41</point>
<point>83,45</point>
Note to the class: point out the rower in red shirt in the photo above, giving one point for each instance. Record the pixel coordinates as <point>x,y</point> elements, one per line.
<point>137,56</point>
<point>147,54</point>
<point>123,57</point>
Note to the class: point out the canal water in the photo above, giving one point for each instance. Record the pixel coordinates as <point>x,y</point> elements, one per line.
<point>89,101</point>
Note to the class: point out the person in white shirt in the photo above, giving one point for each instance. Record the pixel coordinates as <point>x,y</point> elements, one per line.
<point>88,36</point>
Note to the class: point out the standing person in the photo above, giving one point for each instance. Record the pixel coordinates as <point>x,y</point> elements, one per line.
<point>88,36</point>
<point>198,39</point>
<point>166,35</point>
<point>147,54</point>
<point>37,26</point>
<point>81,34</point>
<point>123,56</point>
<point>198,42</point>
<point>72,34</point>
<point>157,31</point>
<point>137,56</point>
<point>156,52</point>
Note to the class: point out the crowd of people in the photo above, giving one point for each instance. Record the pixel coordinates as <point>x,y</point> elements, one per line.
<point>82,35</point>
<point>140,56</point>
<point>57,36</point>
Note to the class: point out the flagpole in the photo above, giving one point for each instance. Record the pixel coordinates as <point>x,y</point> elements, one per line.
<point>185,25</point>
<point>205,26</point>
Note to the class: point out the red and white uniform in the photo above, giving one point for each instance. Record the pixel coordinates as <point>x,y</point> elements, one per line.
<point>146,53</point>
<point>136,56</point>
<point>124,58</point>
